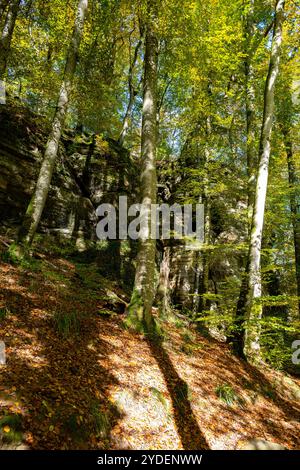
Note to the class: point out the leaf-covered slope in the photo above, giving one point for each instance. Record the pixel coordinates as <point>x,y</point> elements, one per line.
<point>76,379</point>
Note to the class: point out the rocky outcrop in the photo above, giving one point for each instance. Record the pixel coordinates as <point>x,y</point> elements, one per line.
<point>259,444</point>
<point>89,170</point>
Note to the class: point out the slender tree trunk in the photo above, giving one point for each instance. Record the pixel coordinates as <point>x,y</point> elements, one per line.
<point>294,204</point>
<point>163,289</point>
<point>253,305</point>
<point>144,286</point>
<point>250,110</point>
<point>7,33</point>
<point>202,304</point>
<point>132,95</point>
<point>207,214</point>
<point>237,336</point>
<point>205,199</point>
<point>39,197</point>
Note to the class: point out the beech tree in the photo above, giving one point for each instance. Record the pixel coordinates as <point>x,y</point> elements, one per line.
<point>254,288</point>
<point>250,105</point>
<point>132,91</point>
<point>39,197</point>
<point>144,285</point>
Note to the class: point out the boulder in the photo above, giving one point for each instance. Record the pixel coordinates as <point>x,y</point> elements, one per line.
<point>259,444</point>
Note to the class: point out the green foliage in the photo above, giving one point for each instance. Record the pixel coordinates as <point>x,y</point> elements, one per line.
<point>12,255</point>
<point>268,392</point>
<point>188,336</point>
<point>19,256</point>
<point>4,312</point>
<point>106,313</point>
<point>67,323</point>
<point>158,395</point>
<point>100,422</point>
<point>11,428</point>
<point>227,394</point>
<point>179,323</point>
<point>276,351</point>
<point>54,246</point>
<point>74,428</point>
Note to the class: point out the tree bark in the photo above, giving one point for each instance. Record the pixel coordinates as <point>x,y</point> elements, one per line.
<point>132,94</point>
<point>7,33</point>
<point>139,311</point>
<point>253,304</point>
<point>237,337</point>
<point>163,289</point>
<point>294,205</point>
<point>250,109</point>
<point>39,197</point>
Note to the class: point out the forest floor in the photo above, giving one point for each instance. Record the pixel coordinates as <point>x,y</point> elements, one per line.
<point>76,379</point>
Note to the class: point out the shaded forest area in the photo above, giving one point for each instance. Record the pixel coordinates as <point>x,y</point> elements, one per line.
<point>149,343</point>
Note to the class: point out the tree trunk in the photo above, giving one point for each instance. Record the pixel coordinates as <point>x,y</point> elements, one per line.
<point>237,337</point>
<point>205,304</point>
<point>7,34</point>
<point>250,110</point>
<point>294,205</point>
<point>132,94</point>
<point>38,200</point>
<point>139,311</point>
<point>163,289</point>
<point>253,304</point>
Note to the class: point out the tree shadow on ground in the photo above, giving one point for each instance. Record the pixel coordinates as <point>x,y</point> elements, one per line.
<point>268,407</point>
<point>192,438</point>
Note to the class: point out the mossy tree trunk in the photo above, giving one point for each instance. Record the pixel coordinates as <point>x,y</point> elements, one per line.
<point>139,311</point>
<point>39,197</point>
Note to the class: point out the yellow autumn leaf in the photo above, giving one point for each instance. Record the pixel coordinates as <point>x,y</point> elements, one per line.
<point>6,429</point>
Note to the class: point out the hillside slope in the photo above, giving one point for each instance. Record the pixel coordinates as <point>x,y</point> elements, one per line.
<point>76,379</point>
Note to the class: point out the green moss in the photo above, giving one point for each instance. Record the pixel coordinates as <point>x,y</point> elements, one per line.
<point>134,319</point>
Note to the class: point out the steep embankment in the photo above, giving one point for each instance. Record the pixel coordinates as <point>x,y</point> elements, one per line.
<point>76,379</point>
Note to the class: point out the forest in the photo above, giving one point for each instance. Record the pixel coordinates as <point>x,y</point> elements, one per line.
<point>149,225</point>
